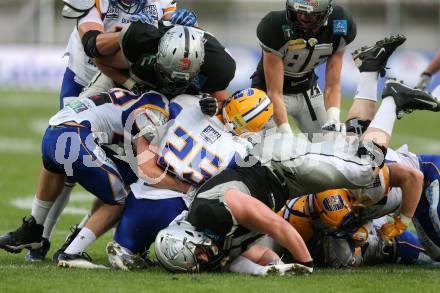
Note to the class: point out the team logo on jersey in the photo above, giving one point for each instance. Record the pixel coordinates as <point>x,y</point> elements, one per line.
<point>210,135</point>
<point>112,12</point>
<point>340,27</point>
<point>151,11</point>
<point>333,203</point>
<point>296,44</point>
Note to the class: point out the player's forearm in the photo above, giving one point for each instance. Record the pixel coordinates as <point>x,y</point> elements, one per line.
<point>157,177</point>
<point>434,66</point>
<point>279,108</point>
<point>412,188</point>
<point>117,75</point>
<point>332,97</point>
<point>108,43</point>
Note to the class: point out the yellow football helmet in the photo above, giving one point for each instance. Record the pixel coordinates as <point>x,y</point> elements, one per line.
<point>296,212</point>
<point>332,205</point>
<point>247,110</point>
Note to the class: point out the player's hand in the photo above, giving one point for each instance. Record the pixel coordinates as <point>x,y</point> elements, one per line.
<point>209,105</point>
<point>424,81</point>
<point>333,123</point>
<point>391,230</point>
<point>142,17</point>
<point>184,17</point>
<point>135,87</point>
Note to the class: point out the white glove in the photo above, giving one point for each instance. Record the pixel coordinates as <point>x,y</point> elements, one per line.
<point>333,123</point>
<point>284,128</point>
<point>425,79</point>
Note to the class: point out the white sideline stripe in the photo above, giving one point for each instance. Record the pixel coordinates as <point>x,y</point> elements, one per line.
<point>428,145</point>
<point>18,145</point>
<point>25,203</point>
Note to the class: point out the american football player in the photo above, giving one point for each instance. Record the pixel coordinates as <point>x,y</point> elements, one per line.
<point>194,147</point>
<point>294,42</point>
<point>72,148</point>
<point>140,55</point>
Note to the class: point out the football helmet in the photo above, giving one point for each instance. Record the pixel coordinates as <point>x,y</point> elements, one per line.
<point>296,212</point>
<point>180,56</point>
<point>332,206</point>
<point>247,110</point>
<point>317,11</point>
<point>178,248</point>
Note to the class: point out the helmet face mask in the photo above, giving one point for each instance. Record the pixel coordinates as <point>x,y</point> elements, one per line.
<point>308,16</point>
<point>180,248</point>
<point>179,59</point>
<point>129,6</point>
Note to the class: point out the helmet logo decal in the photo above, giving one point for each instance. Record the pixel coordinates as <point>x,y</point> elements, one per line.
<point>333,203</point>
<point>185,64</point>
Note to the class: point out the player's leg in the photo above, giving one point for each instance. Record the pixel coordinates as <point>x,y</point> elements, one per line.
<point>50,183</point>
<point>69,87</point>
<point>141,221</point>
<point>98,175</point>
<point>371,62</point>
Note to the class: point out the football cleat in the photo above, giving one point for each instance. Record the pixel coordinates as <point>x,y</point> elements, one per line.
<point>80,261</point>
<point>288,269</point>
<point>38,254</point>
<point>74,230</point>
<point>29,235</point>
<point>122,258</point>
<point>408,99</point>
<point>374,58</point>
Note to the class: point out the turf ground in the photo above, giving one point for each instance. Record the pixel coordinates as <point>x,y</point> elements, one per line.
<point>23,118</point>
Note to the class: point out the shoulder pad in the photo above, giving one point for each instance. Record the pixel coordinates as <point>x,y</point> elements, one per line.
<point>186,100</point>
<point>76,8</point>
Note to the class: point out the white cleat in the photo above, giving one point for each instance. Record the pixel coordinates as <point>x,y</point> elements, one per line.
<point>80,261</point>
<point>288,269</point>
<point>122,258</point>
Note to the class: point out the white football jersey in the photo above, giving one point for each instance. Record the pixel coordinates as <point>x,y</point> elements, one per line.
<point>106,114</point>
<point>390,202</point>
<point>109,14</point>
<point>193,146</point>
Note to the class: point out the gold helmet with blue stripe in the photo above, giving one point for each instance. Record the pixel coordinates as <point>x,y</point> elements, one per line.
<point>247,110</point>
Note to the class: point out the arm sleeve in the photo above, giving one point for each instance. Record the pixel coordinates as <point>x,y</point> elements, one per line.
<point>92,16</point>
<point>218,68</point>
<point>139,38</point>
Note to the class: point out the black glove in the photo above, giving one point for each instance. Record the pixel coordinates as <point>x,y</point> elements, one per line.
<point>208,105</point>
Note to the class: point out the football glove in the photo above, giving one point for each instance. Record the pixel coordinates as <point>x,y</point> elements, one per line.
<point>425,79</point>
<point>184,17</point>
<point>209,105</point>
<point>142,17</point>
<point>333,123</point>
<point>390,230</point>
<point>135,87</point>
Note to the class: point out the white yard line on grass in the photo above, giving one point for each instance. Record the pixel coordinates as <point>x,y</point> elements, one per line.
<point>18,145</point>
<point>25,203</point>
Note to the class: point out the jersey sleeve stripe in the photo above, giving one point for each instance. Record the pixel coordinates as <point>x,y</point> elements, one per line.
<point>154,107</point>
<point>270,50</point>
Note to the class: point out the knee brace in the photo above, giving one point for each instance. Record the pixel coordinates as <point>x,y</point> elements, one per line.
<point>357,126</point>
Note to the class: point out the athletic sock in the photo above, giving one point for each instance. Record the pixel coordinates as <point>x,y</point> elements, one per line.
<point>84,238</point>
<point>367,86</point>
<point>56,210</point>
<point>40,209</point>
<point>385,116</point>
<point>83,222</point>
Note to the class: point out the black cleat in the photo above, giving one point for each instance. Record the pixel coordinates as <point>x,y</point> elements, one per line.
<point>40,253</point>
<point>374,58</point>
<point>81,261</point>
<point>29,235</point>
<point>408,99</point>
<point>74,230</point>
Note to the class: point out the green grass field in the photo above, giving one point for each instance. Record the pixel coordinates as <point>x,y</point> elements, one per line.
<point>23,118</point>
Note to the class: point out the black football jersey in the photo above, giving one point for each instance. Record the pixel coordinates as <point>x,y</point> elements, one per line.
<point>140,41</point>
<point>302,54</point>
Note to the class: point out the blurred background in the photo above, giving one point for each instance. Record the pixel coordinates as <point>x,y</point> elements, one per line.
<point>33,36</point>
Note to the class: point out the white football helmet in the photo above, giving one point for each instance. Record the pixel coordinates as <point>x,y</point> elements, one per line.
<point>180,56</point>
<point>176,247</point>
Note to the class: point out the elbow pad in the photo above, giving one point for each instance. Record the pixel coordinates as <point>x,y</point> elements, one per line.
<point>89,43</point>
